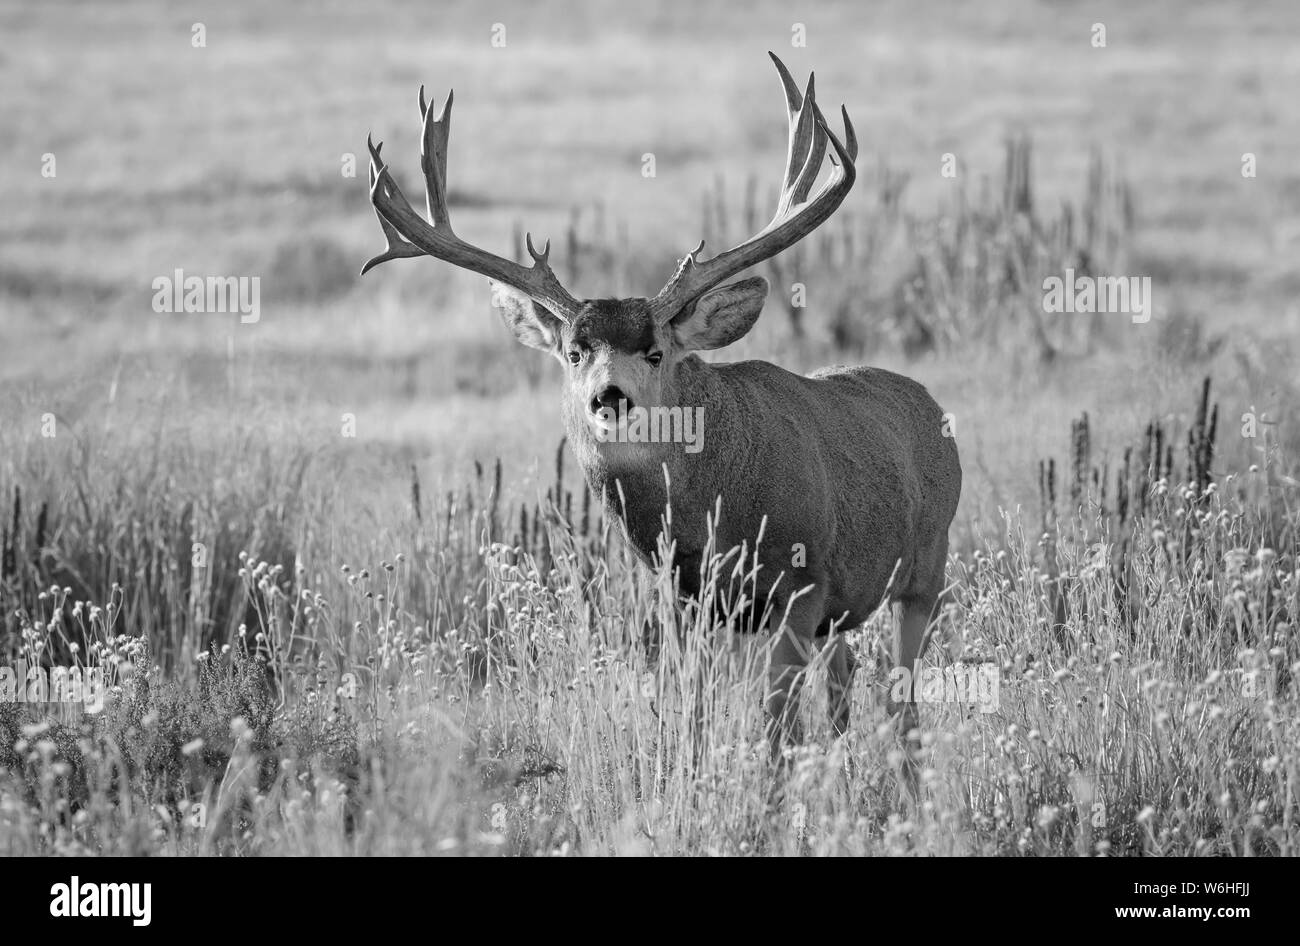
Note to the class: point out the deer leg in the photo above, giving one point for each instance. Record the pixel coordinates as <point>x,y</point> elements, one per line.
<point>791,649</point>
<point>840,667</point>
<point>914,617</point>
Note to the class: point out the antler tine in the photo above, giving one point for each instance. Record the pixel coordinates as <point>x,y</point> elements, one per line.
<point>397,247</point>
<point>433,158</point>
<point>796,216</point>
<point>793,100</point>
<point>408,234</point>
<point>807,145</point>
<point>803,162</point>
<point>848,151</point>
<point>802,126</point>
<point>541,257</point>
<point>813,156</point>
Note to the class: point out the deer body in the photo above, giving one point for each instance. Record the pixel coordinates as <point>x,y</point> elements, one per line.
<point>846,474</point>
<point>832,461</point>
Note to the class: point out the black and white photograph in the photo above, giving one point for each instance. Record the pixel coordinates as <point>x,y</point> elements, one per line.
<point>578,429</point>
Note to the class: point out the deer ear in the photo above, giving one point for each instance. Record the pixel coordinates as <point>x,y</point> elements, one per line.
<point>721,316</point>
<point>530,323</point>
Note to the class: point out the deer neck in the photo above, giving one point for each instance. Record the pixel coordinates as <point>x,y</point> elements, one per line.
<point>637,484</point>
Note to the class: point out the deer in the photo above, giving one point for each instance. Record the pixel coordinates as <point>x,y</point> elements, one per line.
<point>849,475</point>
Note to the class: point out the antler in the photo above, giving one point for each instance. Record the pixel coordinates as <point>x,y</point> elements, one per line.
<point>795,217</point>
<point>408,234</point>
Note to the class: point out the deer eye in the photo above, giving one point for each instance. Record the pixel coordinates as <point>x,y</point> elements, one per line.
<point>655,357</point>
<point>575,356</point>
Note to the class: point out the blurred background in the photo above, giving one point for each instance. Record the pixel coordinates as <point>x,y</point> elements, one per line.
<point>367,480</point>
<point>229,140</point>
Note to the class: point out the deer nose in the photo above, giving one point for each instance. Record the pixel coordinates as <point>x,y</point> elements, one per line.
<point>609,398</point>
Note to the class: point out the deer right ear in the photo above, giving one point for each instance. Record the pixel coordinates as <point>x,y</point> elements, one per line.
<point>530,323</point>
<point>721,316</point>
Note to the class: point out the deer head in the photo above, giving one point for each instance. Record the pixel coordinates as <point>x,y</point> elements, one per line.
<point>620,354</point>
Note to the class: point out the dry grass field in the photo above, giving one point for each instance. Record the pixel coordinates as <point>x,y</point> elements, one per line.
<point>342,577</point>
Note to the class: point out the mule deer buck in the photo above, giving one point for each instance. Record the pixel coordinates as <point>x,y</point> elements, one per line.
<point>847,472</point>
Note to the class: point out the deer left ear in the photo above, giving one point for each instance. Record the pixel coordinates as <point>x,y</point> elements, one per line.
<point>721,316</point>
<point>531,324</point>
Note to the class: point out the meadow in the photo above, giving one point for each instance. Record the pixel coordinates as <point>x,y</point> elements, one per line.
<point>342,577</point>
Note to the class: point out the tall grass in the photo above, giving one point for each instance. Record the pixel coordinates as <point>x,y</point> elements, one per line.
<point>455,690</point>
